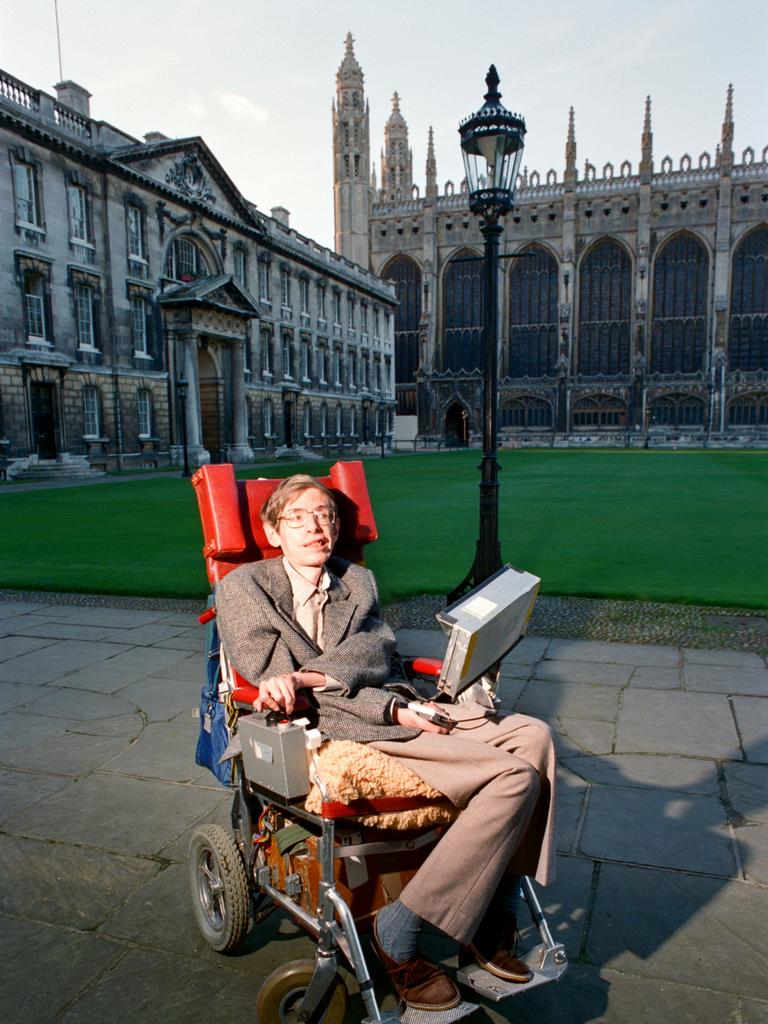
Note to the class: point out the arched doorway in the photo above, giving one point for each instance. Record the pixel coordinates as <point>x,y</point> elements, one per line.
<point>210,401</point>
<point>456,426</point>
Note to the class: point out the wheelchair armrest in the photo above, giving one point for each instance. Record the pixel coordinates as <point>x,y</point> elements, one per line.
<point>428,668</point>
<point>244,695</point>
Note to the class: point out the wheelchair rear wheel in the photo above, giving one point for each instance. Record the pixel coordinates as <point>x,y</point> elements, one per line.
<point>219,888</point>
<point>281,995</point>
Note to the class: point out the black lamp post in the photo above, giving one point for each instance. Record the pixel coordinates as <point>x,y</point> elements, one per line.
<point>182,387</point>
<point>492,142</point>
<point>382,425</point>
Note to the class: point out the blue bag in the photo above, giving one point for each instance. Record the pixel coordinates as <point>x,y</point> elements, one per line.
<point>215,732</point>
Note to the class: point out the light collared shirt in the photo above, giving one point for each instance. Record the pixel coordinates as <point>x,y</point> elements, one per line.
<point>309,600</point>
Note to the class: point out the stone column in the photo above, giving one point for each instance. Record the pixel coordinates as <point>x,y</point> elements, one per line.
<point>239,450</point>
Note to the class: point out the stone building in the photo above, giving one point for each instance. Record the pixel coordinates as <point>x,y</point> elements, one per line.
<point>127,266</point>
<point>638,316</point>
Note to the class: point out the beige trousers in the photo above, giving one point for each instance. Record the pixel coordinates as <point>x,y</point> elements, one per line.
<point>501,773</point>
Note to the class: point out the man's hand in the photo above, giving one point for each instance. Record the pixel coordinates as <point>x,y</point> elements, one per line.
<point>402,715</point>
<point>278,693</point>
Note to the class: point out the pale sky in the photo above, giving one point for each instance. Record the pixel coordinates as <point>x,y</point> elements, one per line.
<point>256,79</point>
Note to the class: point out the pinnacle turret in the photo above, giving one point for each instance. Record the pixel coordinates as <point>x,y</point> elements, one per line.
<point>570,150</point>
<point>431,166</point>
<point>646,144</point>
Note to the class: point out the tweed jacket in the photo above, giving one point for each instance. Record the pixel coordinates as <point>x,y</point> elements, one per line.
<point>254,612</point>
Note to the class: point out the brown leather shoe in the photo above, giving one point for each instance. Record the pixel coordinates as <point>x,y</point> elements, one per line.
<point>420,984</point>
<point>495,949</point>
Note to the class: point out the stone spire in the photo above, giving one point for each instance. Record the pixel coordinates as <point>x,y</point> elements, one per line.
<point>431,166</point>
<point>350,74</point>
<point>397,159</point>
<point>351,160</point>
<point>726,137</point>
<point>570,151</point>
<point>646,153</point>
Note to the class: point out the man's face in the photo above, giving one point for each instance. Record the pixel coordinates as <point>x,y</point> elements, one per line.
<point>308,546</point>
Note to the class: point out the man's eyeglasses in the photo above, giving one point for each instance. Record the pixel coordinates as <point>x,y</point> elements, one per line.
<point>299,517</point>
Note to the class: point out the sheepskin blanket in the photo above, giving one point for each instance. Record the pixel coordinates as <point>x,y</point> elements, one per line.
<point>356,771</point>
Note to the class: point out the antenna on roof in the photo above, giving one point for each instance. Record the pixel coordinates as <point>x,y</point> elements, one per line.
<point>58,38</point>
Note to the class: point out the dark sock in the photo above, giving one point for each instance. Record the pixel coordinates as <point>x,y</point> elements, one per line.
<point>508,895</point>
<point>398,930</point>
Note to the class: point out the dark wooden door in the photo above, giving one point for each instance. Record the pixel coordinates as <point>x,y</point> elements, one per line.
<point>209,416</point>
<point>43,420</point>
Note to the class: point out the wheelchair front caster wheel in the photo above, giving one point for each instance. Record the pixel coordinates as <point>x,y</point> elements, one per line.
<point>219,888</point>
<point>282,993</point>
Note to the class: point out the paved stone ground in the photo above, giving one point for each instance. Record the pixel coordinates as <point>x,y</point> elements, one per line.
<point>662,893</point>
<point>575,618</point>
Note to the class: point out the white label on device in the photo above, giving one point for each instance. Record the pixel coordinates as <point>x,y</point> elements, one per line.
<point>479,607</point>
<point>262,751</point>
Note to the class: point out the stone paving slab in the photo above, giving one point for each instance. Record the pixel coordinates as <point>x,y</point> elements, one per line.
<point>730,659</point>
<point>699,724</point>
<point>571,794</point>
<point>726,679</point>
<point>63,631</point>
<point>12,695</point>
<point>654,827</point>
<point>71,961</point>
<point>163,699</point>
<point>20,789</point>
<point>13,609</point>
<point>117,813</point>
<point>656,677</point>
<point>163,987</point>
<point>752,843</point>
<point>67,885</point>
<point>748,790</point>
<point>623,654</point>
<point>149,635</point>
<point>597,673</point>
<point>128,665</point>
<point>752,719</point>
<point>569,700</point>
<point>678,774</point>
<point>18,644</point>
<point>56,660</point>
<point>753,1012</point>
<point>582,736</point>
<point>682,928</point>
<point>165,750</point>
<point>71,753</point>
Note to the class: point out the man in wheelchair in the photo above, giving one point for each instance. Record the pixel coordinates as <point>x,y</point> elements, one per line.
<point>310,622</point>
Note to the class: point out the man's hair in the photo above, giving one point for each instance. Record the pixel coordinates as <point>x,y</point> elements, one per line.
<point>288,489</point>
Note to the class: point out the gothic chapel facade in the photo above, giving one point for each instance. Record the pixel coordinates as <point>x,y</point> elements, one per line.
<point>639,317</point>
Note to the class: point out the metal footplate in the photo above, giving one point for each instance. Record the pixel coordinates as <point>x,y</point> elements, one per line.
<point>411,1016</point>
<point>548,963</point>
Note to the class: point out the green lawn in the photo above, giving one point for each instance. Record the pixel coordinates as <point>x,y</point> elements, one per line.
<point>667,526</point>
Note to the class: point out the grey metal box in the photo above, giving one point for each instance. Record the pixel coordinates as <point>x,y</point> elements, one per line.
<point>485,625</point>
<point>274,756</point>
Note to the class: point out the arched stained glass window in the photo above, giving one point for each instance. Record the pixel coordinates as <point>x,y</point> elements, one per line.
<point>676,411</point>
<point>406,276</point>
<point>605,293</point>
<point>748,342</point>
<point>463,312</point>
<point>748,411</point>
<point>598,411</point>
<point>679,324</point>
<point>526,413</point>
<point>533,343</point>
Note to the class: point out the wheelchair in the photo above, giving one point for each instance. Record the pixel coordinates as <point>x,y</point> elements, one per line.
<point>328,861</point>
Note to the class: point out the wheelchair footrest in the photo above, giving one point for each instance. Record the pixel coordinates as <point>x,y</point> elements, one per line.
<point>547,964</point>
<point>411,1016</point>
